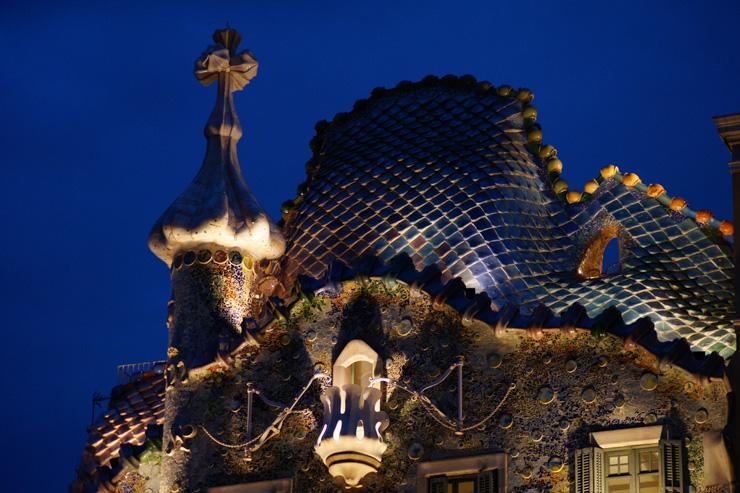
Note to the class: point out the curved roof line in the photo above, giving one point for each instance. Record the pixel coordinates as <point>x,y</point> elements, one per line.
<point>476,307</point>
<point>546,153</point>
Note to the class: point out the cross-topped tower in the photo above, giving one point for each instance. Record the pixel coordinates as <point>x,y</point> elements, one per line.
<point>218,208</point>
<point>212,237</point>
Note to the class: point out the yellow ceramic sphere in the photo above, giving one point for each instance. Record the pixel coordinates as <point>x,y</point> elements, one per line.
<point>573,196</point>
<point>703,216</point>
<point>655,190</point>
<point>560,186</point>
<point>525,95</point>
<point>529,113</point>
<point>534,136</point>
<point>630,179</point>
<point>609,171</point>
<point>555,165</point>
<point>547,151</point>
<point>677,204</point>
<point>591,186</point>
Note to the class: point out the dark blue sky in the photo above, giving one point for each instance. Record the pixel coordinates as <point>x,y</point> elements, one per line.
<point>102,127</point>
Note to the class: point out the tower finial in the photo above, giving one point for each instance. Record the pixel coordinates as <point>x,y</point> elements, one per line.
<point>222,58</point>
<point>218,209</point>
<point>228,37</point>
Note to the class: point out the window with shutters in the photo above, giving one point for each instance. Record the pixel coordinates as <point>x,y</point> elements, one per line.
<point>475,474</point>
<point>618,466</point>
<point>672,463</point>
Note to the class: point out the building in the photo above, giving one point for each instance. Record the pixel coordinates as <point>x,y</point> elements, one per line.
<point>432,314</point>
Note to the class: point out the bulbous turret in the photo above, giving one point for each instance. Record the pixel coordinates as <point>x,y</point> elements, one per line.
<point>212,236</point>
<point>218,209</point>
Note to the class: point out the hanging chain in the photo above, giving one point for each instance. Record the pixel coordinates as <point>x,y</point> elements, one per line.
<point>253,444</point>
<point>436,413</point>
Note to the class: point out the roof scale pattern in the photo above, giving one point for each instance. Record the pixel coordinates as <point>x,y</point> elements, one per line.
<point>133,409</point>
<point>445,171</point>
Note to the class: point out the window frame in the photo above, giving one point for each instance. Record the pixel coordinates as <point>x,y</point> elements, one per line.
<point>462,466</point>
<point>455,480</point>
<point>591,462</point>
<point>282,485</point>
<point>633,465</point>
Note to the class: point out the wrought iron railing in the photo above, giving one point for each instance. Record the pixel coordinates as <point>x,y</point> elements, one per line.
<point>131,371</point>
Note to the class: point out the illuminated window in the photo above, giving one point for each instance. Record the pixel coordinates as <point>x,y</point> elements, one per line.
<point>618,463</point>
<point>473,474</point>
<point>633,470</point>
<point>649,461</point>
<point>632,460</point>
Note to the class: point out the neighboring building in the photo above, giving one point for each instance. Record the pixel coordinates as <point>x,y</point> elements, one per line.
<point>433,314</point>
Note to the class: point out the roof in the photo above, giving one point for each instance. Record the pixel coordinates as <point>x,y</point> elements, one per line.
<point>453,173</point>
<point>133,408</point>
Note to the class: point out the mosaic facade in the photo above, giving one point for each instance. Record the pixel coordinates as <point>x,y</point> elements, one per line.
<point>568,383</point>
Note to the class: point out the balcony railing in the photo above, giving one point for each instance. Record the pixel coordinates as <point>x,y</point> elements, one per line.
<point>131,371</point>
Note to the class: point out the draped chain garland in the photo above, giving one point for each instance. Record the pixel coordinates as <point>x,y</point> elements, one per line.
<point>436,413</point>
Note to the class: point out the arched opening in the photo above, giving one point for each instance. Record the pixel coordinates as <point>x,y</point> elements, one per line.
<point>602,256</point>
<point>610,261</point>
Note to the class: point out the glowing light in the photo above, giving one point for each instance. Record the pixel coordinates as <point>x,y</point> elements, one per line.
<point>342,401</point>
<point>321,435</point>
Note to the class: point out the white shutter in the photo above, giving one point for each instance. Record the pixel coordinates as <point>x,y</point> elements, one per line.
<point>488,482</point>
<point>438,485</point>
<point>589,470</point>
<point>599,471</point>
<point>671,463</point>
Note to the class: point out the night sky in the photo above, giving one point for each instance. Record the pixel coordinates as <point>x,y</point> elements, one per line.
<point>102,127</point>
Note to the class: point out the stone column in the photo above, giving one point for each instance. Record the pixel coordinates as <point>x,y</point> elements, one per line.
<point>729,129</point>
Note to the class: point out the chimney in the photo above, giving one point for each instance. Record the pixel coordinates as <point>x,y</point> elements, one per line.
<point>729,129</point>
